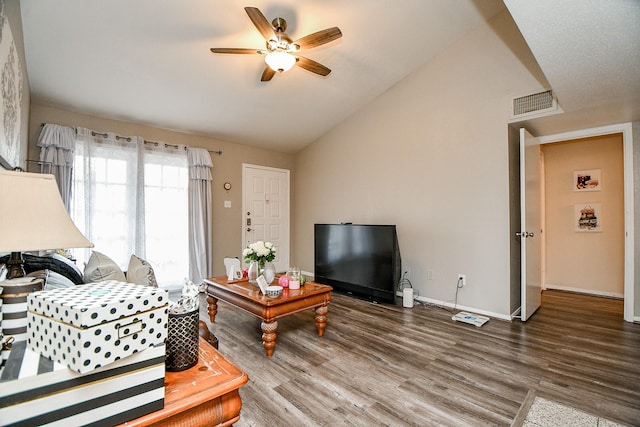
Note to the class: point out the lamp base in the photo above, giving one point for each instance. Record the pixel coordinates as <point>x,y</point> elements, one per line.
<point>14,295</point>
<point>15,266</point>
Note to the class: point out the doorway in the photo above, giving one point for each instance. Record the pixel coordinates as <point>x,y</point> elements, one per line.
<point>626,129</point>
<point>583,243</point>
<point>266,211</point>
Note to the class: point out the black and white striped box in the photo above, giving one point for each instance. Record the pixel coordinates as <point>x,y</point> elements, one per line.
<point>36,391</point>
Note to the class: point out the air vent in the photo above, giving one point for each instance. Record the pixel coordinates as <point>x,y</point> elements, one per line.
<point>541,103</point>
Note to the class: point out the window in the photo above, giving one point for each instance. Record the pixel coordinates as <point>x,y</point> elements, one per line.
<point>166,215</point>
<point>130,198</point>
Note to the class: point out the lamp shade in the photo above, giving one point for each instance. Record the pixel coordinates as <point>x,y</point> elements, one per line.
<point>280,61</point>
<point>33,215</point>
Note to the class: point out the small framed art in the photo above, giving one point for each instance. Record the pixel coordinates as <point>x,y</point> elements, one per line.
<point>587,180</point>
<point>262,284</point>
<point>588,217</point>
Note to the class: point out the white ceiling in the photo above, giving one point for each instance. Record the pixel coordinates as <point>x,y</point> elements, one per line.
<point>148,61</point>
<point>589,51</point>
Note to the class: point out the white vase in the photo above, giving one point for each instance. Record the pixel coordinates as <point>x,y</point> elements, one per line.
<point>253,271</point>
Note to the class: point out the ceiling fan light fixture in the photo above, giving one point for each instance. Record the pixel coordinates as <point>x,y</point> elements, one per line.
<point>281,53</point>
<point>280,61</point>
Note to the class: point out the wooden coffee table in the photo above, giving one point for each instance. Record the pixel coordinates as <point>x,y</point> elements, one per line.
<point>248,297</point>
<point>204,395</point>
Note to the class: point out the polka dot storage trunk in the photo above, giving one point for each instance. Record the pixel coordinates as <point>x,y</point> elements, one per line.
<point>85,327</point>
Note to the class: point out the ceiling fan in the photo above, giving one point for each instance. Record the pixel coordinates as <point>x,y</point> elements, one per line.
<point>281,53</point>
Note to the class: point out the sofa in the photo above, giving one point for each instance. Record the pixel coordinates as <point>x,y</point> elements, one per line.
<point>57,271</point>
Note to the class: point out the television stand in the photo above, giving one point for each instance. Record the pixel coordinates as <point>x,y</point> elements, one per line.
<point>369,298</point>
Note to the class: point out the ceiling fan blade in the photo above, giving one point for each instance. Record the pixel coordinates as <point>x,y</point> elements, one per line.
<point>313,66</point>
<point>267,74</point>
<point>260,22</point>
<point>319,38</point>
<point>241,50</point>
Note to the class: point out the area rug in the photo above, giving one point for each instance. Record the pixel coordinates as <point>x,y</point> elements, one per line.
<point>539,412</point>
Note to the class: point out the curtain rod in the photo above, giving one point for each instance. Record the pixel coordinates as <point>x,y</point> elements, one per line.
<point>155,143</point>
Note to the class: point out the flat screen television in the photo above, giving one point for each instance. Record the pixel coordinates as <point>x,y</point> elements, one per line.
<point>362,260</point>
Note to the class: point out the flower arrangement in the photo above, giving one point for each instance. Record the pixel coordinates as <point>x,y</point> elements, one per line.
<point>259,251</point>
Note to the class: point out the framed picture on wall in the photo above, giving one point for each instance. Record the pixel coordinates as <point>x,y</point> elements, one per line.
<point>588,217</point>
<point>587,180</point>
<point>11,90</point>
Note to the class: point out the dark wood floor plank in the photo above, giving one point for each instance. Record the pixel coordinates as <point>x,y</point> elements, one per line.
<point>384,365</point>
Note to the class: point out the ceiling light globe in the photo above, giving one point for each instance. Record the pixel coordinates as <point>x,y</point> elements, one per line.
<point>280,61</point>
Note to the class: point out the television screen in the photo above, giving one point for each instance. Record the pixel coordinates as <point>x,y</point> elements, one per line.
<point>359,259</point>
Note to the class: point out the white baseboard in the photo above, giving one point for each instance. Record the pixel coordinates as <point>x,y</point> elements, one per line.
<point>465,308</point>
<point>585,291</point>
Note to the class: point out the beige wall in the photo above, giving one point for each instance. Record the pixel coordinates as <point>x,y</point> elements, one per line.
<point>431,156</point>
<point>590,262</point>
<point>227,222</point>
<point>636,225</point>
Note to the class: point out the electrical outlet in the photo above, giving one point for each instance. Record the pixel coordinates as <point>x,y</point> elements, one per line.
<point>462,280</point>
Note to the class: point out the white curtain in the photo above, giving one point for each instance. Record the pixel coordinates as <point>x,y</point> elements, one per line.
<point>200,214</point>
<point>130,197</point>
<point>166,200</point>
<point>57,145</point>
<point>106,205</point>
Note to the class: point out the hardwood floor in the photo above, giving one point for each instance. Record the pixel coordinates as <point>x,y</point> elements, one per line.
<point>382,365</point>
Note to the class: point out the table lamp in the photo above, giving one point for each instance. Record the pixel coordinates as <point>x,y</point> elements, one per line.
<point>33,218</point>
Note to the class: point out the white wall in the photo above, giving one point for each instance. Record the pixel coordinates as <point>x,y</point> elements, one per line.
<point>430,155</point>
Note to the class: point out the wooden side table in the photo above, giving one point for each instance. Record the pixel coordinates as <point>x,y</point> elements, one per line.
<point>204,395</point>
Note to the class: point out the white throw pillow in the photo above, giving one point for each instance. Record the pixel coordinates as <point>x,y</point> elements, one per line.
<point>140,272</point>
<point>100,267</point>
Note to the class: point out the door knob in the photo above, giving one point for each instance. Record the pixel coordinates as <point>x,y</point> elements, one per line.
<point>524,234</point>
<point>248,228</point>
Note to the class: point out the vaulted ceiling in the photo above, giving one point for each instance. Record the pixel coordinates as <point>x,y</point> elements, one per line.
<point>148,61</point>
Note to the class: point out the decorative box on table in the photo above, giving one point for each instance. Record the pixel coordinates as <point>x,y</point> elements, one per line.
<point>88,326</point>
<point>36,391</point>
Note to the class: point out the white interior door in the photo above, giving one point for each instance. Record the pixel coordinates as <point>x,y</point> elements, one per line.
<point>265,206</point>
<point>530,228</point>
